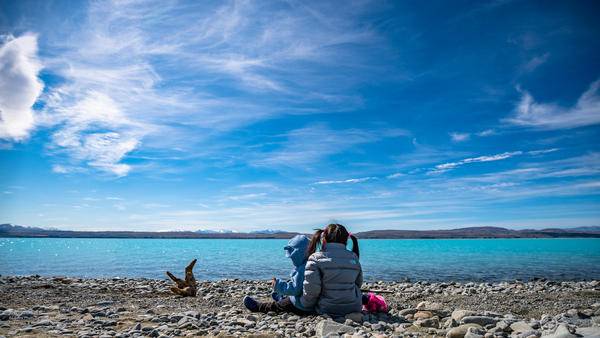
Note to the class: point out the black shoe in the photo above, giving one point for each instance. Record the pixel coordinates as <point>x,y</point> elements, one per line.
<point>250,304</point>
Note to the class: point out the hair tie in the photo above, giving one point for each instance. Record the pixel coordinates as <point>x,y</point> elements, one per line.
<point>349,234</point>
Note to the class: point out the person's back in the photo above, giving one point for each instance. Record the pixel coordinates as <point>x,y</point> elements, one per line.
<point>333,276</point>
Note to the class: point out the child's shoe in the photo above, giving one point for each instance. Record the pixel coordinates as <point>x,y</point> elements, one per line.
<point>251,304</point>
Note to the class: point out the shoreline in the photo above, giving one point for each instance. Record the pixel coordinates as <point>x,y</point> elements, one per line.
<point>130,307</point>
<point>366,279</point>
<point>589,236</point>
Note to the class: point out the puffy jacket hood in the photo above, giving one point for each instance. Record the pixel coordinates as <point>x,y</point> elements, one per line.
<point>296,249</point>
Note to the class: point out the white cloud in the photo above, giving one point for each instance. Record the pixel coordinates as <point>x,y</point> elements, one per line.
<point>395,175</point>
<point>542,151</point>
<point>163,70</point>
<point>19,85</point>
<point>112,198</point>
<point>488,158</point>
<point>307,146</point>
<point>244,197</point>
<point>549,116</point>
<point>94,132</point>
<point>459,137</point>
<point>351,180</point>
<point>487,132</point>
<point>535,62</point>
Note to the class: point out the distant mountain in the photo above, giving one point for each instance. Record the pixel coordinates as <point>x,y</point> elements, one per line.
<point>268,231</point>
<point>10,230</point>
<point>595,229</point>
<point>220,231</point>
<point>483,232</point>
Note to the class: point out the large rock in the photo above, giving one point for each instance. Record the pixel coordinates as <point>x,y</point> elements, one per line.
<point>589,332</point>
<point>428,322</point>
<point>329,327</point>
<point>422,315</point>
<point>562,331</point>
<point>407,312</point>
<point>474,332</point>
<point>356,317</point>
<point>481,320</point>
<point>459,314</point>
<point>460,331</point>
<point>519,327</point>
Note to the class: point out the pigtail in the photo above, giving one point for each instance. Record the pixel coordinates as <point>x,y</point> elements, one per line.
<point>355,245</point>
<point>314,242</point>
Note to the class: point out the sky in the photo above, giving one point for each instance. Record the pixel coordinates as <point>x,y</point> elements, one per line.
<point>246,115</point>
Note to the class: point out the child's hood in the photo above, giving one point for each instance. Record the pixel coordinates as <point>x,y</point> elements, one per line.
<point>296,249</point>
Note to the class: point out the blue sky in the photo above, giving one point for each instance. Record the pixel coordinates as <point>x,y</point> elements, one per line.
<point>171,115</point>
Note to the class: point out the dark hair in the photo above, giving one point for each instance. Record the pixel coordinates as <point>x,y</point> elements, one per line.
<point>333,233</point>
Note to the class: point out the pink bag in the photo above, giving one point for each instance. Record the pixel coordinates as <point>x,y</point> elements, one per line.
<point>375,303</point>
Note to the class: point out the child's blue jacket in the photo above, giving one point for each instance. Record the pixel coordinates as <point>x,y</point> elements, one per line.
<point>296,251</point>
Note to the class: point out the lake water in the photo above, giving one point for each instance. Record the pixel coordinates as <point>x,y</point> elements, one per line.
<point>417,259</point>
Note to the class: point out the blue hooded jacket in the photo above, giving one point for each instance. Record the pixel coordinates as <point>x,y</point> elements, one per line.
<point>296,251</point>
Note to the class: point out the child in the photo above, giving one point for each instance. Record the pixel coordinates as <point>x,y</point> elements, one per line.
<point>332,278</point>
<point>333,275</point>
<point>285,293</point>
<point>296,251</point>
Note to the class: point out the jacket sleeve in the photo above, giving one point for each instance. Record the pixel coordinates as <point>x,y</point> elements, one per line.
<point>312,284</point>
<point>359,278</point>
<point>292,287</point>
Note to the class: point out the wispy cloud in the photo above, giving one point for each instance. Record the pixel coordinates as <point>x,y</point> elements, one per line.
<point>535,62</point>
<point>487,158</point>
<point>459,137</point>
<point>486,132</point>
<point>586,111</point>
<point>395,175</point>
<point>19,85</point>
<point>347,181</point>
<point>307,146</point>
<point>244,197</point>
<point>121,90</point>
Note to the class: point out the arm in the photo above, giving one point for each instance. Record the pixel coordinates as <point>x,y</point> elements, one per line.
<point>292,287</point>
<point>359,278</point>
<point>312,284</point>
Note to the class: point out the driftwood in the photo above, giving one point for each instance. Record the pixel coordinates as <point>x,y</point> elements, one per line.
<point>187,287</point>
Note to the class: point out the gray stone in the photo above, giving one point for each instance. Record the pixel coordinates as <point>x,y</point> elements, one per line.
<point>327,327</point>
<point>519,327</point>
<point>26,314</point>
<point>562,331</point>
<point>460,331</point>
<point>356,317</point>
<point>589,332</point>
<point>460,314</point>
<point>474,332</point>
<point>428,322</point>
<point>481,320</point>
<point>407,312</point>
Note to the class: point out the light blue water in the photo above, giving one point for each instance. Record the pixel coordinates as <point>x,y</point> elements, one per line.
<point>440,259</point>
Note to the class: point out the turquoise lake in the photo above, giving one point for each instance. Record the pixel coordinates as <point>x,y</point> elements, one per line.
<point>417,259</point>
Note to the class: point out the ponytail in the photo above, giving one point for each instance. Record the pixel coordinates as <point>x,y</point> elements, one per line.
<point>355,245</point>
<point>314,242</point>
<point>333,233</point>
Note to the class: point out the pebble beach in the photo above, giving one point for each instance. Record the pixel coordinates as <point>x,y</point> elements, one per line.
<point>34,306</point>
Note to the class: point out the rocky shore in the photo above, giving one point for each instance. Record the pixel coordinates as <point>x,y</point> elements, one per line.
<point>70,307</point>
